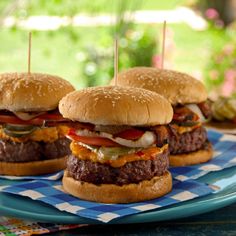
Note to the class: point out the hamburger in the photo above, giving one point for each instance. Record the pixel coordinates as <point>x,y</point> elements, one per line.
<point>188,142</point>
<point>119,148</point>
<point>32,140</point>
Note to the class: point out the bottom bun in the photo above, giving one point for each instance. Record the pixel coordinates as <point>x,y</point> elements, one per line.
<point>192,158</point>
<point>111,193</point>
<point>33,167</point>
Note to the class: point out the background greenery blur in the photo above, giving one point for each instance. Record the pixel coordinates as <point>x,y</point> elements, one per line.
<point>83,54</point>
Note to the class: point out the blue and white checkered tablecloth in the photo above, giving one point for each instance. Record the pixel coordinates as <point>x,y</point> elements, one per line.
<point>54,176</point>
<point>51,192</point>
<point>224,157</point>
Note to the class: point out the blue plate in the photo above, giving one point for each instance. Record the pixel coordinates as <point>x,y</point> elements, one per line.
<point>22,207</point>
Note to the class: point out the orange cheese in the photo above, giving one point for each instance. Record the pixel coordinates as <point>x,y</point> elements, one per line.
<point>62,130</point>
<point>146,154</point>
<point>185,129</point>
<point>50,134</point>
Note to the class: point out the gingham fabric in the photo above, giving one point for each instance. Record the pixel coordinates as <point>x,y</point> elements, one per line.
<point>50,192</point>
<point>17,227</point>
<point>53,176</point>
<point>224,157</point>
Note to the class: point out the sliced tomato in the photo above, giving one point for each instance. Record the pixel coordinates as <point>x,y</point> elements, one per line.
<point>48,120</point>
<point>51,116</point>
<point>94,141</point>
<point>10,119</point>
<point>38,121</point>
<point>130,134</point>
<point>177,116</point>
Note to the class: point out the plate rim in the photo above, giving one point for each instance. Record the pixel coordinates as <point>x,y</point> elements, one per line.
<point>200,205</point>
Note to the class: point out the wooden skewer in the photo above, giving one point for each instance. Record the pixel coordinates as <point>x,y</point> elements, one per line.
<point>163,45</point>
<point>116,57</point>
<point>29,53</point>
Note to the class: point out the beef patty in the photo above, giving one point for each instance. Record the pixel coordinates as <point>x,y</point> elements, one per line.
<point>131,172</point>
<point>187,142</point>
<point>33,151</point>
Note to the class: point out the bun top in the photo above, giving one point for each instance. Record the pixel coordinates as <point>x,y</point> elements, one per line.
<point>114,105</point>
<point>177,87</point>
<point>31,92</point>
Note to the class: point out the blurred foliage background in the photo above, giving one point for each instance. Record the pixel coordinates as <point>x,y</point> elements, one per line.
<point>74,38</point>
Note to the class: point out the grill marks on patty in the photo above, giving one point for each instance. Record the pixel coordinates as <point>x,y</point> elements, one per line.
<point>132,172</point>
<point>33,151</point>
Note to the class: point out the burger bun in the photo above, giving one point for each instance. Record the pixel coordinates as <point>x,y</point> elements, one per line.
<point>33,167</point>
<point>34,92</point>
<point>115,105</point>
<point>177,87</point>
<point>111,193</point>
<point>192,158</point>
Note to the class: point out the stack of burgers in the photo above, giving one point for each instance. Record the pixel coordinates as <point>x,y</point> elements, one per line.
<point>117,139</point>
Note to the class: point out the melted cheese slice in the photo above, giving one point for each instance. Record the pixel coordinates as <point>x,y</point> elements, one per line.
<point>50,134</point>
<point>146,154</point>
<point>27,116</point>
<point>185,129</point>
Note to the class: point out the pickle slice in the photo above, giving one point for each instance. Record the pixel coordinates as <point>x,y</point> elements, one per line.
<point>114,152</point>
<point>215,110</point>
<point>18,130</point>
<point>189,123</point>
<point>227,112</point>
<point>224,108</point>
<point>232,103</point>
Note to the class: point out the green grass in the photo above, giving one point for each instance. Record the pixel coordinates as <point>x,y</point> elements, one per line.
<point>58,52</point>
<point>162,5</point>
<point>72,7</point>
<point>52,52</point>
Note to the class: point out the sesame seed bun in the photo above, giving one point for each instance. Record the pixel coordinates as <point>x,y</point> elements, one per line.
<point>192,158</point>
<point>177,87</point>
<point>31,92</point>
<point>114,105</point>
<point>32,167</point>
<point>111,193</point>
